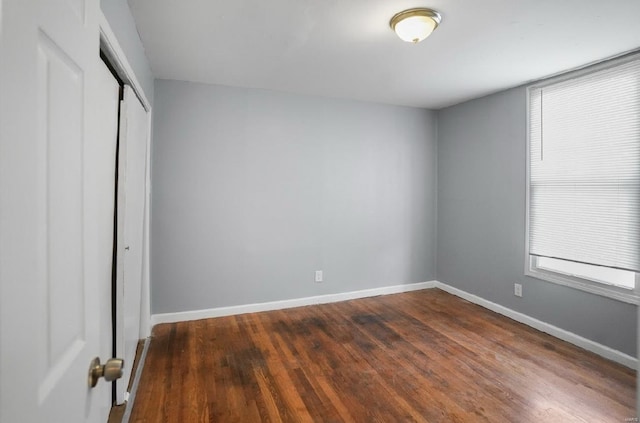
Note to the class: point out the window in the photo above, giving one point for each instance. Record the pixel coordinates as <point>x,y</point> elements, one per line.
<point>583,179</point>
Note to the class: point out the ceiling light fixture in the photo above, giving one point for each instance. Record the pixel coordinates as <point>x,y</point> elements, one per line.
<point>414,25</point>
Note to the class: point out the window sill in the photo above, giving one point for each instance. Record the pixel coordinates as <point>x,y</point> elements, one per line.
<point>620,294</point>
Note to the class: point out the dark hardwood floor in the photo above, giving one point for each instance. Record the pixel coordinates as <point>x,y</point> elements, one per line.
<point>423,356</point>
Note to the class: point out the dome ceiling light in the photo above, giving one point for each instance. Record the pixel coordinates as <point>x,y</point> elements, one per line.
<point>414,25</point>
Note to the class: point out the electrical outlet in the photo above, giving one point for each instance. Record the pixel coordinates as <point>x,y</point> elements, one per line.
<point>318,275</point>
<point>517,290</point>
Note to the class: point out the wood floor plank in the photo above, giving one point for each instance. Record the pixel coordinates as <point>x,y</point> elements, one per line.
<point>424,356</point>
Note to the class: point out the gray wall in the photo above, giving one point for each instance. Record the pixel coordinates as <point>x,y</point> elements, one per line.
<point>255,190</point>
<point>481,222</point>
<point>123,25</point>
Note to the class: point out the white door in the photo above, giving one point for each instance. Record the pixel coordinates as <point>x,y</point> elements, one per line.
<point>56,187</point>
<point>131,206</point>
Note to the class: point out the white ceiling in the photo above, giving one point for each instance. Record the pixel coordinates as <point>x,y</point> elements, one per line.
<point>345,48</point>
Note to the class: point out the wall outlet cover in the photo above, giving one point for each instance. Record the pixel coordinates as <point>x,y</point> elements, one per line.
<point>517,290</point>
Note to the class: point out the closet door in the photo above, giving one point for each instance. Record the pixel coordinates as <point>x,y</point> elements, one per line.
<point>132,188</point>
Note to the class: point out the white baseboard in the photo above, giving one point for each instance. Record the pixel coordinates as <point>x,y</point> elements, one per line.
<point>130,397</point>
<point>587,344</point>
<point>572,338</point>
<point>280,305</point>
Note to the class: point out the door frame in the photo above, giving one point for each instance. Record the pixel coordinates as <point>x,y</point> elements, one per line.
<point>115,54</point>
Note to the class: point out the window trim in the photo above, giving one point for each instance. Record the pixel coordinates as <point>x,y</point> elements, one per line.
<point>530,268</point>
<point>617,293</point>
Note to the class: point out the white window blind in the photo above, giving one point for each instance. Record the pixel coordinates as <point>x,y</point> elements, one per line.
<point>584,186</point>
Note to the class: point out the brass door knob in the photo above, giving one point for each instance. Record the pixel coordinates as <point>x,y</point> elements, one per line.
<point>111,370</point>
